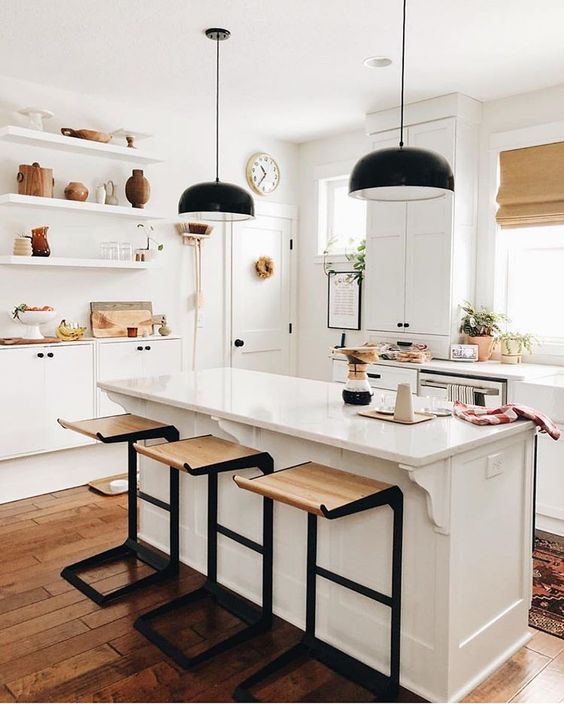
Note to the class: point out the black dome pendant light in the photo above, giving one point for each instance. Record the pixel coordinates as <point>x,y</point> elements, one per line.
<point>214,200</point>
<point>401,173</point>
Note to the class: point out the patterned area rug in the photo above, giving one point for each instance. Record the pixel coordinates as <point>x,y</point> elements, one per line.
<point>547,611</point>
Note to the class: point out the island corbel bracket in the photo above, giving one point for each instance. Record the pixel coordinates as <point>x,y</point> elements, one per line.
<point>435,480</point>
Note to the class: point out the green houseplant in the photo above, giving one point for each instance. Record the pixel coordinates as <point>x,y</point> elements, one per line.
<point>481,326</point>
<point>513,344</point>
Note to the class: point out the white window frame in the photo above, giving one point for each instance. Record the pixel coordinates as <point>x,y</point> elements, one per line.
<point>495,249</point>
<point>324,174</point>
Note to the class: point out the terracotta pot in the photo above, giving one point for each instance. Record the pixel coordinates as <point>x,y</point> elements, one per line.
<point>39,242</point>
<point>485,346</point>
<point>76,191</point>
<point>137,189</point>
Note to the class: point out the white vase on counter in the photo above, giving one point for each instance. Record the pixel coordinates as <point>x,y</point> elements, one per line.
<point>404,404</point>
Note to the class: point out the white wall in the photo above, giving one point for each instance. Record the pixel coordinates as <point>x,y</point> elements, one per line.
<point>185,142</point>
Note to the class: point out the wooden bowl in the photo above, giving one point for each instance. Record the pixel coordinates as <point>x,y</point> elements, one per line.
<point>91,135</point>
<point>358,355</point>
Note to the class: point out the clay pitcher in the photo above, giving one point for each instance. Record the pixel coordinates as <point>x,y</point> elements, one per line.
<point>137,189</point>
<point>39,243</point>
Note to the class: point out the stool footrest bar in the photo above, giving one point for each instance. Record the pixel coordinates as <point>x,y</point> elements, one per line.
<point>354,586</point>
<point>153,500</point>
<point>238,538</point>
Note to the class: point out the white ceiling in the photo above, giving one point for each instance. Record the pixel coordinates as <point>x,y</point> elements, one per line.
<point>293,68</point>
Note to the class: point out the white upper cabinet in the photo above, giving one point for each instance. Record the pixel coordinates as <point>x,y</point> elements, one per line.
<point>420,254</point>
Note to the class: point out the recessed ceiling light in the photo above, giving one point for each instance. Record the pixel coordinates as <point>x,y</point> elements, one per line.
<point>377,61</point>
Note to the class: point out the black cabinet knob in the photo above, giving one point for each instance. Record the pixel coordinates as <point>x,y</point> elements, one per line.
<point>50,354</point>
<point>406,325</point>
<point>40,355</point>
<point>400,325</point>
<point>140,349</point>
<point>148,347</point>
<point>239,343</point>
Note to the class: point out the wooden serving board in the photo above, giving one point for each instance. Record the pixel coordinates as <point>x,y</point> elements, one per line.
<point>121,305</point>
<point>103,485</point>
<point>114,323</point>
<point>419,417</point>
<point>24,341</point>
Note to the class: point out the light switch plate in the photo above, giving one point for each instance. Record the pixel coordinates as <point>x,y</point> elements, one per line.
<point>495,465</point>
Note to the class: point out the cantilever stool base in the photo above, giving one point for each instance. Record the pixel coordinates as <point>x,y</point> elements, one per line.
<point>210,456</point>
<point>129,428</point>
<point>330,493</point>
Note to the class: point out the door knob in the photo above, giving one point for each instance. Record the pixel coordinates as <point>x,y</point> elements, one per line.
<point>239,343</point>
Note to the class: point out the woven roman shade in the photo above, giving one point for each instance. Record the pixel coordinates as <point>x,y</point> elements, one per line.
<point>531,187</point>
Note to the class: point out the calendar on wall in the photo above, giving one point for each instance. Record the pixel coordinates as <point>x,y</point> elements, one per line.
<point>343,307</point>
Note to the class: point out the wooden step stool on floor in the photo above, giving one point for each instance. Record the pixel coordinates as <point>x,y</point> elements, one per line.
<point>332,493</point>
<point>130,429</point>
<point>210,456</point>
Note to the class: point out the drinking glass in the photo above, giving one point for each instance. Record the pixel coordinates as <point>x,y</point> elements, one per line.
<point>113,250</point>
<point>125,251</point>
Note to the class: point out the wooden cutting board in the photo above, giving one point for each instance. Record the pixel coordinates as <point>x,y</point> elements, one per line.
<point>419,417</point>
<point>114,323</point>
<point>25,341</point>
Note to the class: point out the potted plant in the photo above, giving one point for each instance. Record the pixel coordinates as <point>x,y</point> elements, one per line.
<point>513,344</point>
<point>481,328</point>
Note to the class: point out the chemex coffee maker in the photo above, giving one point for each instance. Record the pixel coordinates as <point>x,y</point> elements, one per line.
<point>357,389</point>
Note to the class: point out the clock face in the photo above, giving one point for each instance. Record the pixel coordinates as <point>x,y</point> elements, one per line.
<point>263,173</point>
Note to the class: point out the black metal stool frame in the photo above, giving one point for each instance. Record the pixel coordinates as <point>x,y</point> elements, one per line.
<point>257,619</point>
<point>316,649</point>
<point>164,567</point>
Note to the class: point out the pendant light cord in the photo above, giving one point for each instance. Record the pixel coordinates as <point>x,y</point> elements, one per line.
<point>217,110</point>
<point>402,74</point>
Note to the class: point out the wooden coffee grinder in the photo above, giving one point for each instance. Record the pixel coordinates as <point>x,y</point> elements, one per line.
<point>357,390</point>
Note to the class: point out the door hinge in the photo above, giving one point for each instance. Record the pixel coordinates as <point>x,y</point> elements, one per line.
<point>291,244</point>
<point>290,328</point>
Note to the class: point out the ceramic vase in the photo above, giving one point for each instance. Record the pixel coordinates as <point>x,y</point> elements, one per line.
<point>39,242</point>
<point>76,191</point>
<point>137,189</point>
<point>404,404</point>
<point>101,194</point>
<point>485,346</point>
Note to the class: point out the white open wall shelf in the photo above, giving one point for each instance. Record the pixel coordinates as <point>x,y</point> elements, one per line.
<point>47,262</point>
<point>117,211</point>
<point>59,142</point>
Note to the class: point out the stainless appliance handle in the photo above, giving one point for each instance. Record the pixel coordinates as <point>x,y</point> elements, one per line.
<point>485,392</point>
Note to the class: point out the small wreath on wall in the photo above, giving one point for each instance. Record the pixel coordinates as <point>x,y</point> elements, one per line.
<point>264,267</point>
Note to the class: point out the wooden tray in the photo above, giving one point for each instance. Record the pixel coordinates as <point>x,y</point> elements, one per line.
<point>103,485</point>
<point>419,417</point>
<point>25,341</point>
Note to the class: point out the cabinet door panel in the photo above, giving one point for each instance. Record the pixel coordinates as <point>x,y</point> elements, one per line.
<point>164,357</point>
<point>385,267</point>
<point>428,266</point>
<point>117,360</point>
<point>438,135</point>
<point>69,385</point>
<point>23,426</point>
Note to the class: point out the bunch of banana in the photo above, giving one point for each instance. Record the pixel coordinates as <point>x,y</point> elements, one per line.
<point>69,331</point>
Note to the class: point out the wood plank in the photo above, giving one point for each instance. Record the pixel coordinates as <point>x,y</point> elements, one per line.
<point>18,601</point>
<point>309,486</point>
<point>111,426</point>
<point>47,679</point>
<point>25,646</point>
<point>546,644</point>
<point>148,685</point>
<point>548,686</point>
<point>510,678</point>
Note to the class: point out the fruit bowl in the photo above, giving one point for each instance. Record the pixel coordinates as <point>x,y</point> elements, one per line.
<point>33,319</point>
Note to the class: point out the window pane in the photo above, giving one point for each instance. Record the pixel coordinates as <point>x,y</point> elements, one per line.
<point>346,217</point>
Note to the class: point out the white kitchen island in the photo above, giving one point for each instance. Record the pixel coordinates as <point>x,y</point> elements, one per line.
<point>467,521</point>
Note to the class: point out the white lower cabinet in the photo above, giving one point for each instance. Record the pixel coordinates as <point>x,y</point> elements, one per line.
<point>133,358</point>
<point>41,384</point>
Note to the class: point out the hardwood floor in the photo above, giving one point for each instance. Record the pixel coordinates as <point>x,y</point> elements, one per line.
<point>57,645</point>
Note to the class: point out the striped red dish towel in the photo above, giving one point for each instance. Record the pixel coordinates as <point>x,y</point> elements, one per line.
<point>505,414</point>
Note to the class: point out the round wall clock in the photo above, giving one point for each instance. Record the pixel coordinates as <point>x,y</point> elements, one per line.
<point>263,173</point>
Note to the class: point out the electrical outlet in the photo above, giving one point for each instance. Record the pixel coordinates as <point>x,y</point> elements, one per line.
<point>495,465</point>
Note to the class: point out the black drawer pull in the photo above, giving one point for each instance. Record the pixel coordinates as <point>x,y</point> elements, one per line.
<point>148,347</point>
<point>406,325</point>
<point>400,325</point>
<point>374,376</point>
<point>140,349</point>
<point>40,355</point>
<point>50,354</point>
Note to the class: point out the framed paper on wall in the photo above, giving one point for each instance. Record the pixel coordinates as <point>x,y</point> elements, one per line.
<point>343,306</point>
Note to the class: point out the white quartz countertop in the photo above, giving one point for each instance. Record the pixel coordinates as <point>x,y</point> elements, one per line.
<point>312,410</point>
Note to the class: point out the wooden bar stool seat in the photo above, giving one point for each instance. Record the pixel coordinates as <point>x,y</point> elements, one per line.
<point>130,429</point>
<point>210,456</point>
<point>331,493</point>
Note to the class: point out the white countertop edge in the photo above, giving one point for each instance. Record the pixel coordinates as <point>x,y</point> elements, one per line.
<point>92,341</point>
<point>508,429</point>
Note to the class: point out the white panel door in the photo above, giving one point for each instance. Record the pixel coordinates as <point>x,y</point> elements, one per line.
<point>23,417</point>
<point>118,360</point>
<point>162,357</point>
<point>69,387</point>
<point>261,307</point>
<point>428,266</point>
